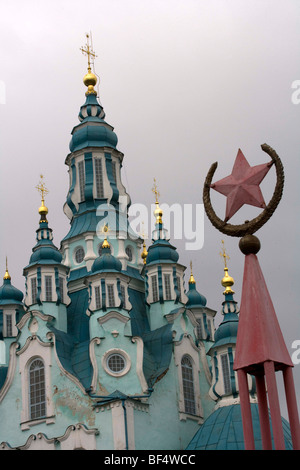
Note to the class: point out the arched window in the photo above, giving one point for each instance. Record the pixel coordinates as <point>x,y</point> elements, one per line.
<point>128,251</point>
<point>188,385</point>
<point>37,389</point>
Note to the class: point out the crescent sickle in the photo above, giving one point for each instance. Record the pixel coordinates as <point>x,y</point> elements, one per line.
<point>249,227</point>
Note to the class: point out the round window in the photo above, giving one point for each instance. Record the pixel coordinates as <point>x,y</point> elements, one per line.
<point>116,363</point>
<point>79,254</point>
<point>128,251</point>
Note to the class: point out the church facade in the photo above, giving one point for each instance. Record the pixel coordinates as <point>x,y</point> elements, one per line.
<point>107,348</point>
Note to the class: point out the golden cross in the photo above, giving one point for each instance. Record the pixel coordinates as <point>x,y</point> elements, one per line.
<point>88,51</point>
<point>142,233</point>
<point>42,188</point>
<point>155,191</point>
<point>191,266</point>
<point>224,254</point>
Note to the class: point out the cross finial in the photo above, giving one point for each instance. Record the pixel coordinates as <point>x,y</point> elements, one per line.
<point>155,191</point>
<point>42,188</point>
<point>88,50</point>
<point>224,254</point>
<point>105,230</point>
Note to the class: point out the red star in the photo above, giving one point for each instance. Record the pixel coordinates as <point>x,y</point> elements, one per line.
<point>242,186</point>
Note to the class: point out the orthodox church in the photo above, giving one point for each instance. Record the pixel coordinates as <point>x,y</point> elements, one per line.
<point>107,348</point>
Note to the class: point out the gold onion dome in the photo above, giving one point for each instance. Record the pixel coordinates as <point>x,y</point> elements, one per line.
<point>227,282</point>
<point>144,253</point>
<point>158,214</point>
<point>90,78</point>
<point>90,81</point>
<point>43,210</point>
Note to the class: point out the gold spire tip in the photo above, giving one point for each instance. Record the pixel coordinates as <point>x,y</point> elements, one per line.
<point>158,212</point>
<point>227,280</point>
<point>90,78</point>
<point>43,210</point>
<point>192,279</point>
<point>144,252</point>
<point>6,275</point>
<point>105,230</point>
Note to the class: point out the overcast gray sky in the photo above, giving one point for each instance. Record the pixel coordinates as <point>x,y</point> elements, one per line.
<point>184,83</point>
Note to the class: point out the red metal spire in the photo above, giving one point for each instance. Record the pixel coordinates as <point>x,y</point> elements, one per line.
<point>261,351</point>
<point>260,347</point>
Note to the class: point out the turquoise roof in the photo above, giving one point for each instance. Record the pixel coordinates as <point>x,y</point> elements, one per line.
<point>44,252</point>
<point>161,251</point>
<point>223,430</point>
<point>93,136</point>
<point>93,131</point>
<point>226,333</point>
<point>106,262</point>
<point>196,299</point>
<point>10,294</point>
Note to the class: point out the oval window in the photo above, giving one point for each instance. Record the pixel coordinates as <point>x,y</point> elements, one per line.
<point>79,254</point>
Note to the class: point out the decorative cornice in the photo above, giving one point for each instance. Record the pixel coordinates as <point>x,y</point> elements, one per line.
<point>113,314</point>
<point>34,313</point>
<point>29,341</point>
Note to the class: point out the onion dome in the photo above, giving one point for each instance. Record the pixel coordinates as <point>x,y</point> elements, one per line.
<point>8,293</point>
<point>227,330</point>
<point>92,136</point>
<point>90,81</point>
<point>161,250</point>
<point>106,262</point>
<point>44,252</point>
<point>92,131</point>
<point>195,299</point>
<point>144,253</point>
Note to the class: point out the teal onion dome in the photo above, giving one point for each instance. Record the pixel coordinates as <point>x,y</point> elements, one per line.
<point>226,333</point>
<point>195,299</point>
<point>93,136</point>
<point>10,294</point>
<point>161,251</point>
<point>46,255</point>
<point>45,252</point>
<point>106,262</point>
<point>92,131</point>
